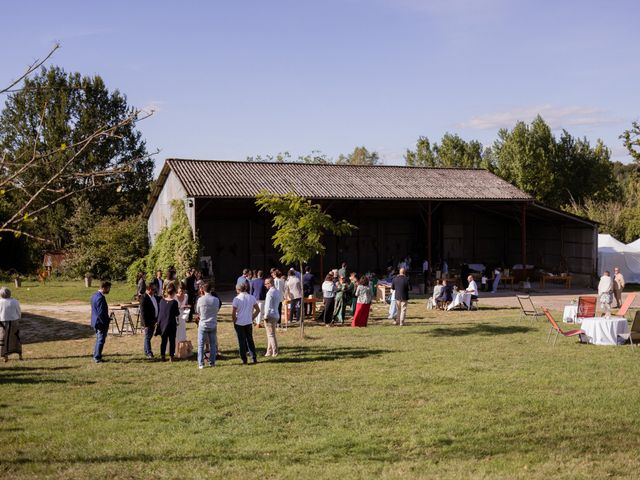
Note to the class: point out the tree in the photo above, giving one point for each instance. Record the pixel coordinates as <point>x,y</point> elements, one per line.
<point>359,156</point>
<point>62,136</point>
<point>299,226</point>
<point>423,156</point>
<point>316,156</point>
<point>555,172</point>
<point>107,247</point>
<point>525,157</point>
<point>174,246</point>
<point>452,151</point>
<point>631,139</point>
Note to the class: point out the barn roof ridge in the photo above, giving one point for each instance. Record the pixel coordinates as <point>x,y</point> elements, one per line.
<point>318,164</point>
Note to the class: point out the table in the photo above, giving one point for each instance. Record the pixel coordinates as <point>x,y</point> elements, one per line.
<point>604,331</point>
<point>460,298</point>
<point>566,279</point>
<point>307,300</point>
<point>125,323</point>
<point>382,291</point>
<point>570,314</point>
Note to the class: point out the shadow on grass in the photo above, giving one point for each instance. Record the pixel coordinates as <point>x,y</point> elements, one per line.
<point>479,329</point>
<point>17,376</point>
<point>39,328</point>
<point>324,354</point>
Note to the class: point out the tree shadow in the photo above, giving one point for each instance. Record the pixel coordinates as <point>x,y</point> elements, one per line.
<point>13,376</point>
<point>40,328</point>
<point>324,354</point>
<point>484,329</point>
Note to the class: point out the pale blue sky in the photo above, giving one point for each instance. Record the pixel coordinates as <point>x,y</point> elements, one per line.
<point>236,78</point>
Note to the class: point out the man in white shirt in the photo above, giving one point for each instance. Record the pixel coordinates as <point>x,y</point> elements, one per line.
<point>207,308</point>
<point>293,292</point>
<point>472,288</point>
<point>244,310</point>
<point>271,316</point>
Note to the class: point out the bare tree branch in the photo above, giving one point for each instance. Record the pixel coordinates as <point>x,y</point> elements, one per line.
<point>32,68</point>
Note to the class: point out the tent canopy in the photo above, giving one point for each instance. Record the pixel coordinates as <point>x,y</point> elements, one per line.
<point>613,253</point>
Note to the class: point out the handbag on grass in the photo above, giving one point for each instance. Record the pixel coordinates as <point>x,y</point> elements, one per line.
<point>184,349</point>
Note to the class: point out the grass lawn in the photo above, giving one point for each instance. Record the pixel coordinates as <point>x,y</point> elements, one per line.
<point>452,395</point>
<point>56,291</point>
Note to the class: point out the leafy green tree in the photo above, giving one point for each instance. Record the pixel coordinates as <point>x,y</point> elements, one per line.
<point>583,172</point>
<point>64,135</point>
<point>299,226</point>
<point>631,140</point>
<point>525,157</point>
<point>423,156</point>
<point>174,246</point>
<point>452,151</point>
<point>359,156</point>
<point>105,248</point>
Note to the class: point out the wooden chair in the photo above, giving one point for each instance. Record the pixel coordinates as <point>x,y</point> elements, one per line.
<point>558,330</point>
<point>634,333</point>
<point>626,305</point>
<point>586,307</point>
<point>527,308</point>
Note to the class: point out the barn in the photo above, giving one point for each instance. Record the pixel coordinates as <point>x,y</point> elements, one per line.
<point>454,214</point>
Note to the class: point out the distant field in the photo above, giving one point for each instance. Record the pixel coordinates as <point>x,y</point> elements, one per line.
<point>452,395</point>
<point>67,291</point>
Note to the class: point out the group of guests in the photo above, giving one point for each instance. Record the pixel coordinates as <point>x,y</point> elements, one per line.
<point>338,293</point>
<point>610,288</point>
<point>444,291</point>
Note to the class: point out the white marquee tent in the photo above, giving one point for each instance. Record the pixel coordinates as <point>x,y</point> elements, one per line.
<point>613,253</point>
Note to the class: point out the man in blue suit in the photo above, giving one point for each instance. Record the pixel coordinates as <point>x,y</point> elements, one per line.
<point>100,319</point>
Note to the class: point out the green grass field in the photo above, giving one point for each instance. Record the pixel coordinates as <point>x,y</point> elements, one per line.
<point>66,291</point>
<point>452,395</point>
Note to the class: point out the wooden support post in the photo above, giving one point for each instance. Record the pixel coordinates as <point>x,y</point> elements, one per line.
<point>523,233</point>
<point>429,235</point>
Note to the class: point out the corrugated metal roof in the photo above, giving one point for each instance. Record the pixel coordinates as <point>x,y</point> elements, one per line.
<point>232,179</point>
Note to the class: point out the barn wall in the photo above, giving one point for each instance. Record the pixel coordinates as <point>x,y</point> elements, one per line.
<point>237,236</point>
<point>161,213</point>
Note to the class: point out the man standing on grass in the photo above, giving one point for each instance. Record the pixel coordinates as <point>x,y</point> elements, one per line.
<point>400,285</point>
<point>100,319</point>
<point>149,316</point>
<point>293,290</point>
<point>207,308</point>
<point>271,316</point>
<point>618,286</point>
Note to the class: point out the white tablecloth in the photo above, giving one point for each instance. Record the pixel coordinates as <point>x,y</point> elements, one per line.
<point>604,331</point>
<point>569,315</point>
<point>460,298</point>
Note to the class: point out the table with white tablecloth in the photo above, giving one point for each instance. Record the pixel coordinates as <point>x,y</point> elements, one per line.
<point>570,314</point>
<point>604,331</point>
<point>460,298</point>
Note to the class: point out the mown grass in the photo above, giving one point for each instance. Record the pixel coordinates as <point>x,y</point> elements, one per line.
<point>452,395</point>
<point>65,291</point>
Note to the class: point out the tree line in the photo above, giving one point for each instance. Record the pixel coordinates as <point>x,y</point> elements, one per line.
<point>75,172</point>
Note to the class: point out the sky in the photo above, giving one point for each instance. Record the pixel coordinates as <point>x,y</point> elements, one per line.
<point>231,79</point>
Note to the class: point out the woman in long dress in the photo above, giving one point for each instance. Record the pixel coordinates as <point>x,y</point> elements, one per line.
<point>183,304</point>
<point>168,312</point>
<point>363,303</point>
<point>9,325</point>
<point>340,306</point>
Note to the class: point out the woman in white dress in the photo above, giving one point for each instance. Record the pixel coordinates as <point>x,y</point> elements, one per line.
<point>183,298</point>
